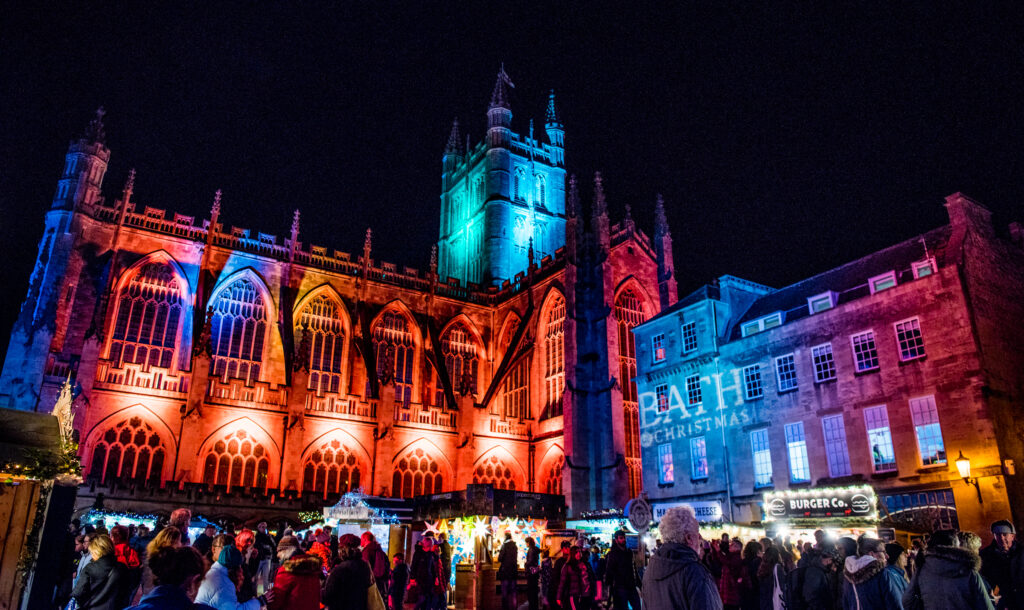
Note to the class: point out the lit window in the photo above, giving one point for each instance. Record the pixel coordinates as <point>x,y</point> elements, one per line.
<point>239,327</point>
<point>924,268</point>
<point>322,320</point>
<point>331,469</point>
<point>415,474</point>
<point>762,454</point>
<point>763,323</point>
<point>693,391</point>
<point>666,471</point>
<point>394,348</point>
<point>131,451</point>
<point>835,446</point>
<point>824,365</point>
<point>554,358</point>
<point>908,333</point>
<point>796,447</point>
<point>752,387</point>
<point>883,457</point>
<point>785,371</point>
<point>658,347</point>
<point>149,310</point>
<point>237,460</point>
<point>882,282</point>
<point>661,392</point>
<point>821,302</point>
<point>865,356</point>
<point>698,458</point>
<point>689,337</point>
<point>927,430</point>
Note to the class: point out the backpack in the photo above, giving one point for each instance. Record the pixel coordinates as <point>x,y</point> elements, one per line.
<point>793,590</point>
<point>381,569</point>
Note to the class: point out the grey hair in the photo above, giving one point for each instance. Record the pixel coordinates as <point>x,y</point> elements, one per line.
<point>678,524</point>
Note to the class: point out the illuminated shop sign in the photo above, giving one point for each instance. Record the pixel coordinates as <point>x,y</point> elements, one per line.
<point>857,502</point>
<point>706,511</point>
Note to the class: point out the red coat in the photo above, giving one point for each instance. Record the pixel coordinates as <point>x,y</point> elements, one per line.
<point>732,572</point>
<point>297,584</point>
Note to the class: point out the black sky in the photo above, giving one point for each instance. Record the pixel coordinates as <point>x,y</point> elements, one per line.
<point>784,142</point>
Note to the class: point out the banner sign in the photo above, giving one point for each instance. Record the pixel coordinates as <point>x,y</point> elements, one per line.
<point>829,503</point>
<point>706,511</point>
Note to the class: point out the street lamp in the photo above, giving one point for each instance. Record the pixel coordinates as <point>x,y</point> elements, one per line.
<point>963,465</point>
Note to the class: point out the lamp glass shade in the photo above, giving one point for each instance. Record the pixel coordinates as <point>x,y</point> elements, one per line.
<point>964,466</point>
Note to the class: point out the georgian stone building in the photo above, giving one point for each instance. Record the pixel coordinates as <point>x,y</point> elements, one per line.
<point>882,371</point>
<point>214,357</point>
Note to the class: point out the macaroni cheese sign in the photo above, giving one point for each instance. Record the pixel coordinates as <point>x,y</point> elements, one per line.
<point>705,511</point>
<point>841,502</point>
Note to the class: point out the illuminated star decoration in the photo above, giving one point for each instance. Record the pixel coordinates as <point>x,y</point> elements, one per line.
<point>480,527</point>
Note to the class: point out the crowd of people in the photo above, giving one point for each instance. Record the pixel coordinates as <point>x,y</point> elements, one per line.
<point>128,567</point>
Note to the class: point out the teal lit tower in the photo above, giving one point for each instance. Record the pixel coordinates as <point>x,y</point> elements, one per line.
<point>501,195</point>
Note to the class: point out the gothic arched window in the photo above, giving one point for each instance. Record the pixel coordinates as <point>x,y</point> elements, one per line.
<point>149,310</point>
<point>541,188</point>
<point>629,313</point>
<point>494,471</point>
<point>554,357</point>
<point>552,476</point>
<point>237,460</point>
<point>331,469</point>
<point>238,331</point>
<point>517,184</point>
<point>514,395</point>
<point>321,318</point>
<point>129,451</point>
<point>393,345</point>
<point>416,474</point>
<point>460,358</point>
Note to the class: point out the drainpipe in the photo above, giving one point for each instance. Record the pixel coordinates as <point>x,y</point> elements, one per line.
<point>721,405</point>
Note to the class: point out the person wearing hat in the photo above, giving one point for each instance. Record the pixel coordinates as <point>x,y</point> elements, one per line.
<point>220,586</point>
<point>620,574</point>
<point>297,583</point>
<point>350,585</point>
<point>997,556</point>
<point>425,572</point>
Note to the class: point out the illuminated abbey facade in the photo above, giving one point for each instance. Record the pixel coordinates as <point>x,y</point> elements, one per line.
<point>212,357</point>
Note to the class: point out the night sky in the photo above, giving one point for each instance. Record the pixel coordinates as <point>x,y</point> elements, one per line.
<point>784,142</point>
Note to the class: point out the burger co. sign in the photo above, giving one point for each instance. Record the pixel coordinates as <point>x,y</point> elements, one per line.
<point>856,502</point>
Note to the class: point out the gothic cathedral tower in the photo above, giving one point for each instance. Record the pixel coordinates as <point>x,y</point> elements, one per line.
<point>501,196</point>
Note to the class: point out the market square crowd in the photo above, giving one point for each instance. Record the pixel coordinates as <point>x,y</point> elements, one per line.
<point>128,567</point>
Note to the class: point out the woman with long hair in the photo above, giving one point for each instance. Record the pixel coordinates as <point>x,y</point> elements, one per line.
<point>104,583</point>
<point>771,575</point>
<point>750,585</point>
<point>575,583</point>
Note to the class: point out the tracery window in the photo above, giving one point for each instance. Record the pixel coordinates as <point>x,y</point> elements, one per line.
<point>517,185</point>
<point>554,357</point>
<point>460,358</point>
<point>149,310</point>
<point>415,474</point>
<point>393,345</point>
<point>321,318</point>
<point>237,461</point>
<point>514,395</point>
<point>540,189</point>
<point>238,330</point>
<point>629,313</point>
<point>331,469</point>
<point>510,333</point>
<point>553,477</point>
<point>129,451</point>
<point>494,471</point>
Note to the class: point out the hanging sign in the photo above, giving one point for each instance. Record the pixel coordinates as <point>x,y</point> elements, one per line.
<point>829,503</point>
<point>705,511</point>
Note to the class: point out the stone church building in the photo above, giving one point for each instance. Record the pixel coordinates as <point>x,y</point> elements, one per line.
<point>217,358</point>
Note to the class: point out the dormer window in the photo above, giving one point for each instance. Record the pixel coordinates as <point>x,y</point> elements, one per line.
<point>882,282</point>
<point>923,268</point>
<point>761,324</point>
<point>821,302</point>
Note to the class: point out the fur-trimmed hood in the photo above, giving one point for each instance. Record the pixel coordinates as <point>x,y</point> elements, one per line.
<point>861,569</point>
<point>301,564</point>
<point>951,561</point>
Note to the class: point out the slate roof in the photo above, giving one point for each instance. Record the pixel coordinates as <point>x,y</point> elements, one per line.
<point>24,430</point>
<point>849,281</point>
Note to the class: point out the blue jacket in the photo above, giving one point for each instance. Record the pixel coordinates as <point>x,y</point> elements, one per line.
<point>167,597</point>
<point>867,585</point>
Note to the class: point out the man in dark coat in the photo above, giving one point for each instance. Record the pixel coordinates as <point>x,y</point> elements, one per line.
<point>819,580</point>
<point>675,579</point>
<point>866,583</point>
<point>347,584</point>
<point>619,575</point>
<point>948,578</point>
<point>556,574</point>
<point>508,573</point>
<point>996,559</point>
<point>532,568</point>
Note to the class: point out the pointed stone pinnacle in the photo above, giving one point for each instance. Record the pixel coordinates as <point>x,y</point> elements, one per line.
<point>453,139</point>
<point>551,116</point>
<point>368,242</point>
<point>295,224</point>
<point>572,203</point>
<point>129,184</point>
<point>433,258</point>
<point>600,205</point>
<point>215,210</point>
<point>660,220</point>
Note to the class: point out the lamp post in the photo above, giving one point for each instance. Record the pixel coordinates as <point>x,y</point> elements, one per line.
<point>963,465</point>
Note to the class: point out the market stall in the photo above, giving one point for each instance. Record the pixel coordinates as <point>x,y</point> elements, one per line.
<point>353,514</point>
<point>839,511</point>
